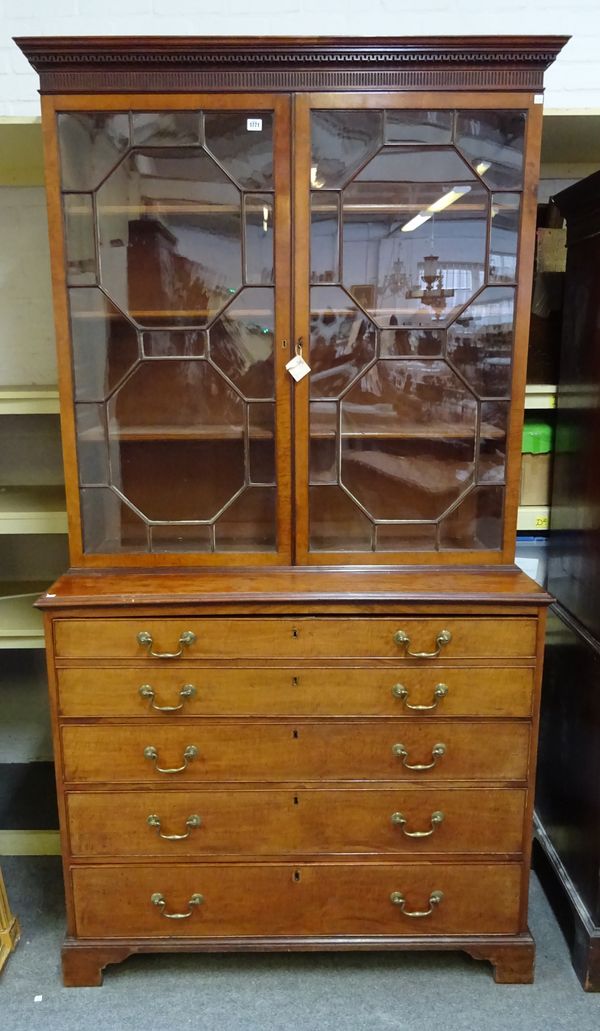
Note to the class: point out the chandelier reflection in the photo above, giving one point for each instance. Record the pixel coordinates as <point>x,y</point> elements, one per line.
<point>433,294</point>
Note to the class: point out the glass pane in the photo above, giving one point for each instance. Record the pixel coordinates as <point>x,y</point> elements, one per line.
<point>406,537</point>
<point>242,141</point>
<point>324,238</point>
<point>79,239</point>
<point>108,524</point>
<point>241,343</point>
<point>413,266</point>
<point>323,442</point>
<point>493,143</point>
<point>336,523</point>
<point>418,126</point>
<point>176,430</point>
<point>408,437</point>
<point>169,228</point>
<point>341,142</point>
<point>393,343</point>
<point>91,143</point>
<point>261,445</point>
<point>476,522</point>
<point>171,343</point>
<point>413,165</point>
<point>181,537</point>
<point>167,128</point>
<point>342,341</point>
<point>480,342</point>
<point>258,227</point>
<point>92,447</point>
<point>492,442</point>
<point>504,237</point>
<point>250,523</point>
<point>105,344</point>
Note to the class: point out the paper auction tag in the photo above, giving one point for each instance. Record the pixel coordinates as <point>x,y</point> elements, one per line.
<point>298,368</point>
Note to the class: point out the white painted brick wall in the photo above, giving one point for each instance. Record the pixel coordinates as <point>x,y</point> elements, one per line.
<point>573,82</point>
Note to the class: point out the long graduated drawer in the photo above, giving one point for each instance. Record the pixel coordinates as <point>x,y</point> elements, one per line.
<point>243,821</point>
<point>328,691</point>
<point>286,899</point>
<point>302,638</point>
<point>309,750</point>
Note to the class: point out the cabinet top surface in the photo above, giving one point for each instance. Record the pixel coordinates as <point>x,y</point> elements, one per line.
<point>477,586</point>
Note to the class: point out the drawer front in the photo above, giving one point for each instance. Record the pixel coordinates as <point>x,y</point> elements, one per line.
<point>335,691</point>
<point>276,751</point>
<point>287,899</point>
<point>285,822</point>
<point>304,638</point>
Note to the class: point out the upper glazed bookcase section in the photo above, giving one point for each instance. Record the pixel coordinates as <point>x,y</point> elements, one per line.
<point>179,64</point>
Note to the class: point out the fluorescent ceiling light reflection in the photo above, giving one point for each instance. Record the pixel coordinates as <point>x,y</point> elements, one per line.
<point>482,166</point>
<point>438,205</point>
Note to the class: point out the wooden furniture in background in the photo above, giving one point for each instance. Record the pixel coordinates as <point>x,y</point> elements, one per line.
<point>568,801</point>
<point>271,748</point>
<point>10,931</point>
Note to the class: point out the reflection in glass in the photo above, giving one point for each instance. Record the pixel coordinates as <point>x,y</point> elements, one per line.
<point>476,522</point>
<point>504,237</point>
<point>249,524</point>
<point>480,342</point>
<point>79,239</point>
<point>258,227</point>
<point>110,525</point>
<point>176,432</point>
<point>413,165</point>
<point>181,537</point>
<point>341,142</point>
<point>167,128</point>
<point>394,343</point>
<point>92,449</point>
<point>323,442</point>
<point>105,344</point>
<point>406,537</point>
<point>336,523</point>
<point>324,238</point>
<point>241,342</point>
<point>493,143</point>
<point>169,227</point>
<point>418,126</point>
<point>423,274</point>
<point>492,442</point>
<point>408,436</point>
<point>245,153</point>
<point>261,443</point>
<point>342,341</point>
<point>99,136</point>
<point>171,343</point>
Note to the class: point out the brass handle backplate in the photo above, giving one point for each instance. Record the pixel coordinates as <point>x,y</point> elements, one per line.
<point>402,638</point>
<point>157,899</point>
<point>400,691</point>
<point>436,753</point>
<point>150,752</point>
<point>399,820</point>
<point>185,639</point>
<point>398,899</point>
<point>192,821</point>
<point>147,691</point>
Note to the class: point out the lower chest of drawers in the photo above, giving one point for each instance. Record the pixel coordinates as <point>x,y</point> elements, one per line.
<point>301,778</point>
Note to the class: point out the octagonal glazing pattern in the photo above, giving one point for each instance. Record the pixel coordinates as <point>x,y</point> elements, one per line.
<point>169,236</point>
<point>408,432</point>
<point>169,232</point>
<point>419,233</point>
